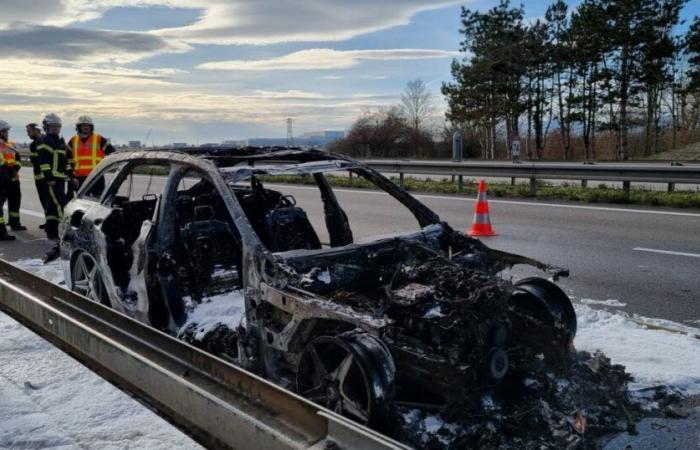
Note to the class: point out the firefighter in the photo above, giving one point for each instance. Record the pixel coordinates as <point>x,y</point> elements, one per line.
<point>34,133</point>
<point>9,179</point>
<point>54,163</point>
<point>89,148</point>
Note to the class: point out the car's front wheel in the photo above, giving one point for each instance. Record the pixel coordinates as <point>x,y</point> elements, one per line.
<point>87,279</point>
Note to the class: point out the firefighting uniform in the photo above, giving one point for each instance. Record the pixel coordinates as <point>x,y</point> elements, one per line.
<point>10,188</point>
<point>55,165</point>
<point>39,180</point>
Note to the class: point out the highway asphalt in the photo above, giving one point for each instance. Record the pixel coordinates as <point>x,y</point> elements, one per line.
<point>646,258</point>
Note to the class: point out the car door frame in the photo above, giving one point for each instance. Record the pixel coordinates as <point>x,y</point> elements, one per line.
<point>141,307</point>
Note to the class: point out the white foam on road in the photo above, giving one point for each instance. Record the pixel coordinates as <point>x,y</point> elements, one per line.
<point>48,400</point>
<point>611,302</point>
<point>668,354</point>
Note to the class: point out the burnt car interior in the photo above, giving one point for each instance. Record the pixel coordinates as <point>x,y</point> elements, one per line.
<point>207,243</point>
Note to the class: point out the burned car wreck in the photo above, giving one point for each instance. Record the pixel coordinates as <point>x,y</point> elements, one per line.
<point>206,246</point>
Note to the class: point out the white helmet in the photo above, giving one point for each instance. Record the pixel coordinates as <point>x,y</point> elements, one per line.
<point>84,120</point>
<point>4,125</point>
<point>52,119</point>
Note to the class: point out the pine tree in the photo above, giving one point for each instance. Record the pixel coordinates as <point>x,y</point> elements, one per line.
<point>488,85</point>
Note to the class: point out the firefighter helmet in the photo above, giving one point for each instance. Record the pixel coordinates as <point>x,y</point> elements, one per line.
<point>4,125</point>
<point>51,119</point>
<point>84,120</point>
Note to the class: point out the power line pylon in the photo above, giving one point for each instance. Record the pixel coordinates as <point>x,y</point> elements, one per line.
<point>290,133</point>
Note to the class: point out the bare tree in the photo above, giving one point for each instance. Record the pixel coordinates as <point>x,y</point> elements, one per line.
<point>417,104</point>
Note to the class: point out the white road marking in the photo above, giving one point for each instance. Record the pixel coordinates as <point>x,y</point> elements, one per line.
<point>29,212</point>
<point>666,252</point>
<point>507,202</point>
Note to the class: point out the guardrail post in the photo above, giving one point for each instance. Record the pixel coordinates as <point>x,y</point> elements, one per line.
<point>401,179</point>
<point>512,181</point>
<point>584,183</point>
<point>626,188</point>
<point>671,187</point>
<point>533,187</point>
<point>350,173</point>
<point>461,183</point>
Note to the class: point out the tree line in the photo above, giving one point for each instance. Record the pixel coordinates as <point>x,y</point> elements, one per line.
<point>608,79</point>
<point>610,67</point>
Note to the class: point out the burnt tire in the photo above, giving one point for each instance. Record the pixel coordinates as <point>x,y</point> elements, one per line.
<point>542,317</point>
<point>351,374</point>
<point>86,279</point>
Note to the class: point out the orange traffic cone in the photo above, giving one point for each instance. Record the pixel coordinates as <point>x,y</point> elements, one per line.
<point>482,222</point>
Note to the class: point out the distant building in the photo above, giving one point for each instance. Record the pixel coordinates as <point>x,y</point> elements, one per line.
<point>332,136</point>
<point>312,139</point>
<point>234,143</point>
<point>179,144</point>
<point>134,144</point>
<point>268,142</point>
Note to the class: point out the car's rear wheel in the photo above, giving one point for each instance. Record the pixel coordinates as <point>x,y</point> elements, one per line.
<point>87,279</point>
<point>542,316</point>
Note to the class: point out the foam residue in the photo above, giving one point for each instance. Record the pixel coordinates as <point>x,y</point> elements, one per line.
<point>48,400</point>
<point>223,309</point>
<point>667,353</point>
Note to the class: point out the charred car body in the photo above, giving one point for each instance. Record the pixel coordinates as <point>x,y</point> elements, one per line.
<point>419,319</point>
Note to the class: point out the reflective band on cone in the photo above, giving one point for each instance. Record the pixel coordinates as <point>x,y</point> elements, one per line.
<point>481,226</point>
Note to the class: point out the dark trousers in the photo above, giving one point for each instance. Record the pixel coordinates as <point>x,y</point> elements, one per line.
<point>54,207</point>
<point>3,197</point>
<point>43,192</point>
<point>14,201</point>
<point>70,190</point>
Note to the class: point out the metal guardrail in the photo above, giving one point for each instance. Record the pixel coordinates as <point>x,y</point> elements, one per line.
<point>217,403</point>
<point>620,172</point>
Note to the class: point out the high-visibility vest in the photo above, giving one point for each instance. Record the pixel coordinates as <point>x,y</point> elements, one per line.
<point>8,153</point>
<point>86,155</point>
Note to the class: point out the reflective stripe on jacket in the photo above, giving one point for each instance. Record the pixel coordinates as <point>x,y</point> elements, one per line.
<point>54,160</point>
<point>86,155</point>
<point>8,153</point>
<point>9,160</point>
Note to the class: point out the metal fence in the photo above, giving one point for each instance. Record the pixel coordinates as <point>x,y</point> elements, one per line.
<point>627,173</point>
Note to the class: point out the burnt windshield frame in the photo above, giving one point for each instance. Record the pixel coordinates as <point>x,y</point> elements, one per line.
<point>423,215</point>
<point>95,175</point>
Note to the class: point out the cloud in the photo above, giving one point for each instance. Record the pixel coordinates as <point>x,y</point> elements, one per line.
<point>72,44</point>
<point>274,21</point>
<point>145,96</point>
<point>31,11</point>
<point>57,62</point>
<point>324,58</point>
<point>225,22</point>
<point>292,94</point>
<point>35,25</point>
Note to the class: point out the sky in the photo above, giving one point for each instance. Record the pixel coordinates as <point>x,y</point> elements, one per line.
<point>207,71</point>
